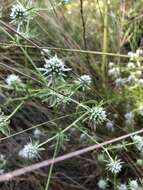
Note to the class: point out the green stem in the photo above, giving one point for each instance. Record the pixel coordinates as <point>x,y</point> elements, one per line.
<point>52,165</point>
<point>63,131</point>
<point>105,41</point>
<point>16,109</point>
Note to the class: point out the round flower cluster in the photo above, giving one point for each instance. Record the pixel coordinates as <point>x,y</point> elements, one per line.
<point>114,72</point>
<point>98,115</point>
<point>37,133</point>
<point>138,140</point>
<point>18,12</point>
<point>102,184</point>
<point>133,184</point>
<point>84,81</point>
<point>119,82</point>
<point>114,166</point>
<point>30,151</point>
<point>12,80</point>
<point>54,67</point>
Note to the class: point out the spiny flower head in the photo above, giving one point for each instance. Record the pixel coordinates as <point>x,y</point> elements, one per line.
<point>12,80</point>
<point>97,115</point>
<point>133,184</point>
<point>102,184</point>
<point>114,166</point>
<point>54,67</point>
<point>84,81</point>
<point>138,140</point>
<point>30,151</point>
<point>18,12</point>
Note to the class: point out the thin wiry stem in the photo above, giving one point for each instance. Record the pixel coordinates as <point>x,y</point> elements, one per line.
<point>83,25</point>
<point>70,50</point>
<point>52,165</point>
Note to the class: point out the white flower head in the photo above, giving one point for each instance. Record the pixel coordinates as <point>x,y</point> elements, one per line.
<point>140,82</point>
<point>110,124</point>
<point>111,65</point>
<point>139,52</point>
<point>138,73</point>
<point>18,12</point>
<point>138,140</point>
<point>131,78</point>
<point>102,184</point>
<point>119,82</point>
<point>114,72</point>
<point>54,67</point>
<point>128,115</point>
<point>37,133</point>
<point>122,187</point>
<point>97,115</point>
<point>30,151</point>
<point>131,65</point>
<point>114,166</point>
<point>2,120</point>
<point>84,81</point>
<point>83,137</point>
<point>133,184</point>
<point>133,56</point>
<point>12,80</point>
<point>45,52</point>
<point>129,118</point>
